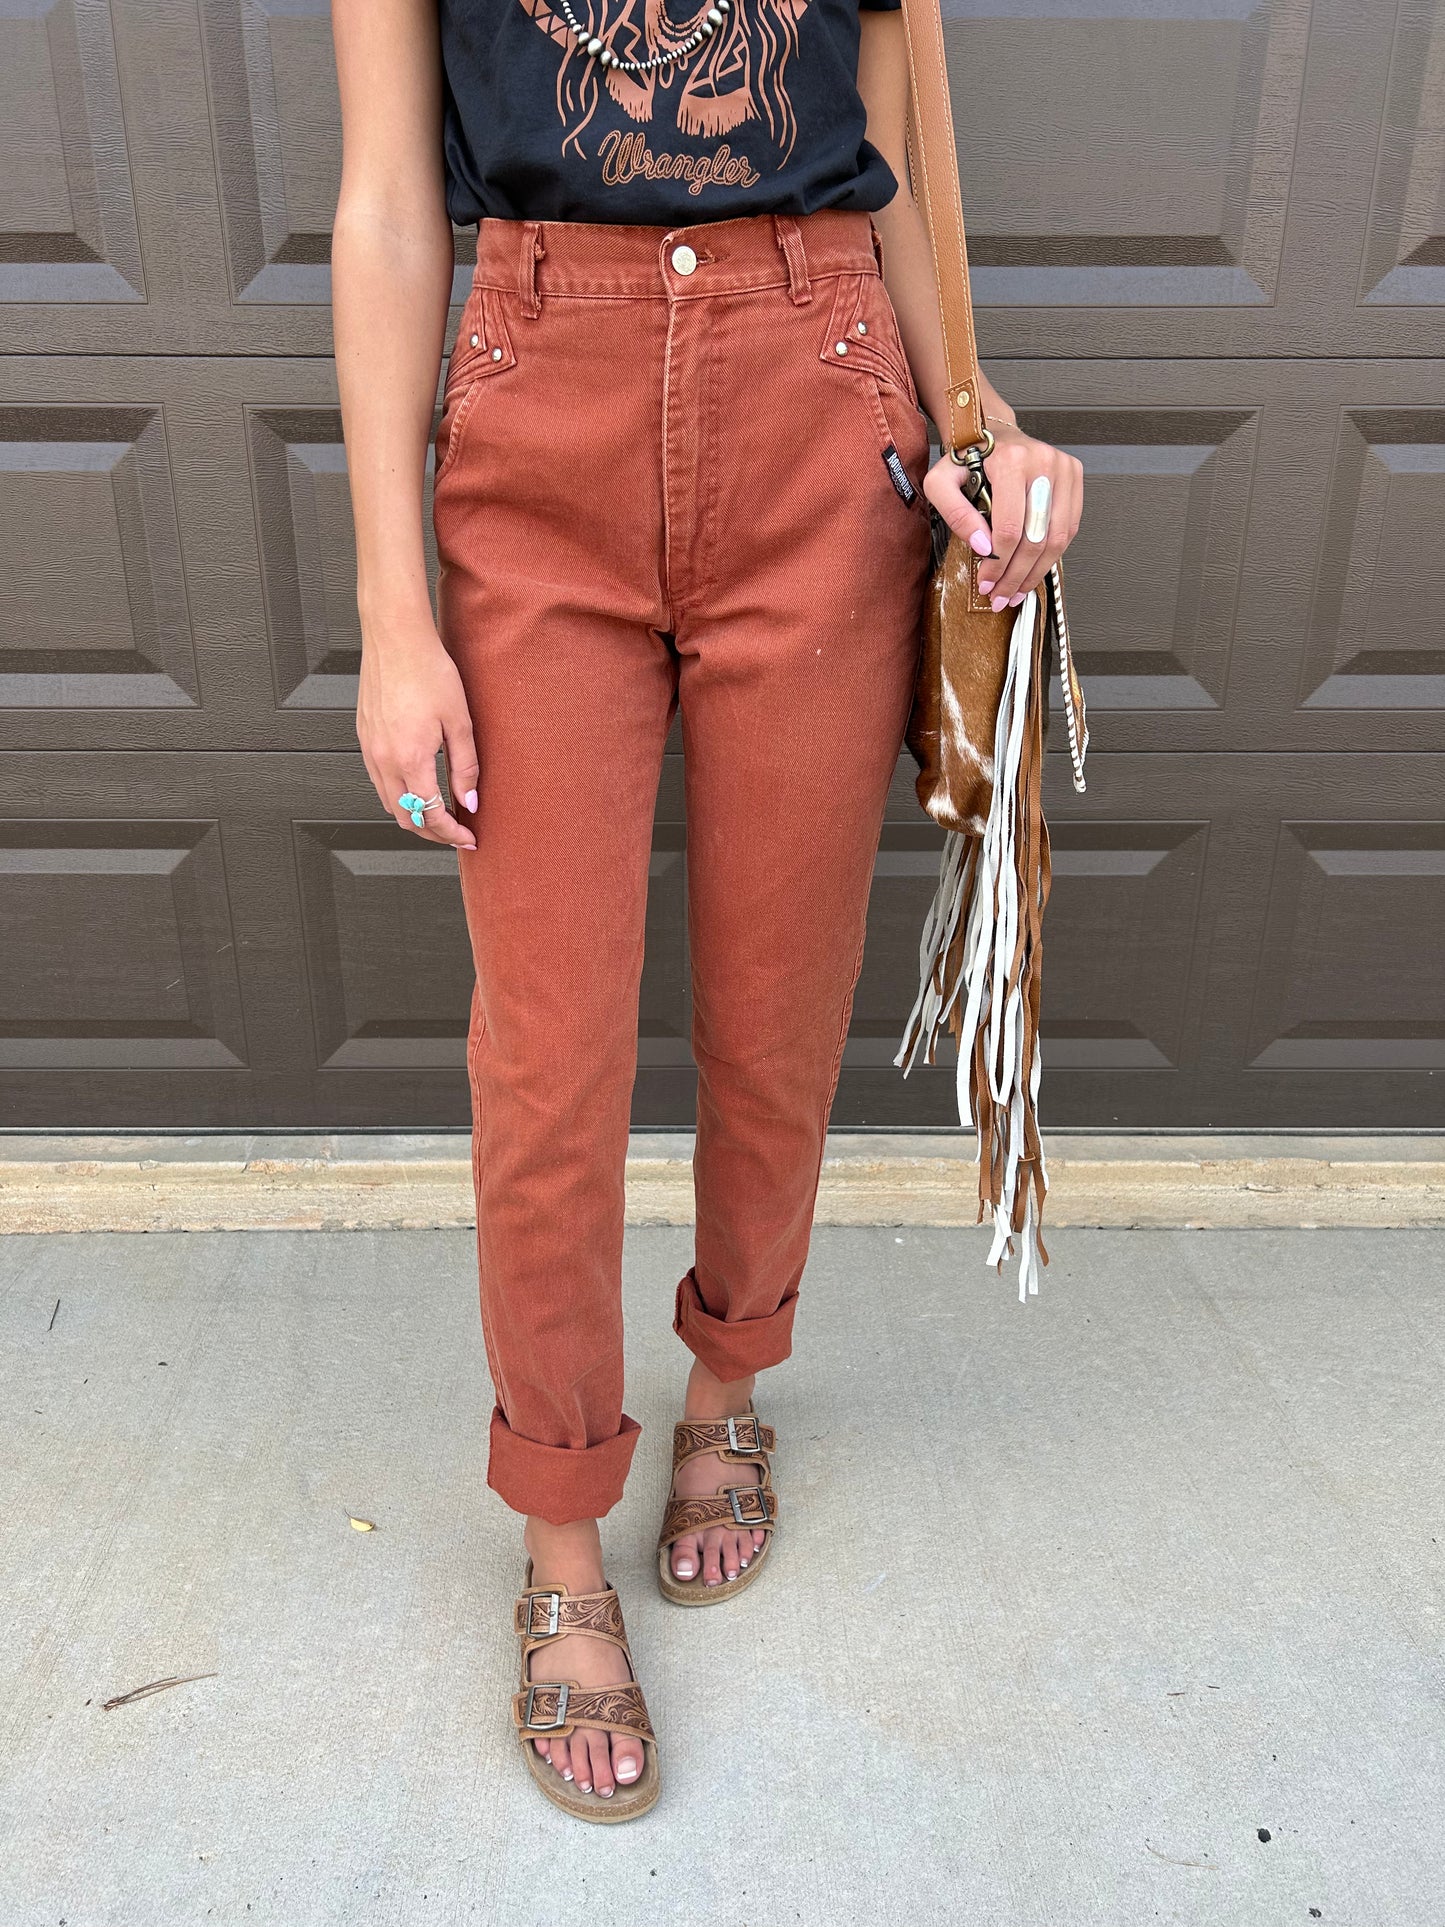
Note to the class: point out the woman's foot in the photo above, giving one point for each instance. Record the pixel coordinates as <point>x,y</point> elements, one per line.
<point>720,1554</point>
<point>571,1556</point>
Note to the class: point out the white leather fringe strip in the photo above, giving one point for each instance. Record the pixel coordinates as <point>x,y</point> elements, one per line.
<point>981,895</point>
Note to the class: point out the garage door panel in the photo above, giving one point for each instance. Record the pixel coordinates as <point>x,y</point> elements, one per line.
<point>120,947</point>
<point>1403,262</point>
<point>1377,620</point>
<point>93,608</point>
<point>1350,977</point>
<point>68,228</point>
<point>179,555</point>
<point>272,86</point>
<point>1168,492</point>
<point>386,948</point>
<point>1165,187</point>
<point>1262,574</point>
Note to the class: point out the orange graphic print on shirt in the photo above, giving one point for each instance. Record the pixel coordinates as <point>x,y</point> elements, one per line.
<point>736,77</point>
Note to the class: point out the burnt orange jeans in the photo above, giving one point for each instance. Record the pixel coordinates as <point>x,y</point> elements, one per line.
<point>674,468</point>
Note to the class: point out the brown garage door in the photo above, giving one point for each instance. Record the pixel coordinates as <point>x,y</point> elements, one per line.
<point>1210,238</point>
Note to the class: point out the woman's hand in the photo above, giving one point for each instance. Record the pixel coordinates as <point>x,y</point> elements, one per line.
<point>1015,465</point>
<point>411,704</point>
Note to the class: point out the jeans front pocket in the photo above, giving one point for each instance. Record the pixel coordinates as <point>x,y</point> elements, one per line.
<point>483,349</point>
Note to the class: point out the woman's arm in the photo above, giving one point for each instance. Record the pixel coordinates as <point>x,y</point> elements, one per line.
<point>391,273</point>
<point>1018,459</point>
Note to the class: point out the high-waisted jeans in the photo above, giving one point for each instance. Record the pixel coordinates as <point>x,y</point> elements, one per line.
<point>674,468</point>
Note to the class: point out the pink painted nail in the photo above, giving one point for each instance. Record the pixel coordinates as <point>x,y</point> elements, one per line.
<point>1015,600</point>
<point>999,602</point>
<point>980,542</point>
<point>984,586</point>
<point>469,802</point>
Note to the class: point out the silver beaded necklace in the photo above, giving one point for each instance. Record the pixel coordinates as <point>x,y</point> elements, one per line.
<point>589,43</point>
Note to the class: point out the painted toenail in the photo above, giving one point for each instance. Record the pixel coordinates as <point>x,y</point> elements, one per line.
<point>605,1791</point>
<point>684,1570</point>
<point>566,1773</point>
<point>584,1786</point>
<point>626,1770</point>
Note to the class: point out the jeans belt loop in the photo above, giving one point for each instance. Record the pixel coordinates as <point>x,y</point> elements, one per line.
<point>790,240</point>
<point>532,252</point>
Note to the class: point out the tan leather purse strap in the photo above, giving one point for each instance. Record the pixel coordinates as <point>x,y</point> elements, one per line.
<point>933,160</point>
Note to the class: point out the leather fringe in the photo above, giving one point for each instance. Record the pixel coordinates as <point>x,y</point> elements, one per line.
<point>980,961</point>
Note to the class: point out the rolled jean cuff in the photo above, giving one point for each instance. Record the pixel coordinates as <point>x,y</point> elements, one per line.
<point>732,1348</point>
<point>559,1483</point>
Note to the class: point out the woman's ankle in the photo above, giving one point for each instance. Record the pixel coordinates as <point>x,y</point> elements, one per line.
<point>570,1555</point>
<point>709,1396</point>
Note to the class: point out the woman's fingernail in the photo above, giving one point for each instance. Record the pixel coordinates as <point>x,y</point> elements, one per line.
<point>469,801</point>
<point>1015,600</point>
<point>984,587</point>
<point>999,602</point>
<point>980,543</point>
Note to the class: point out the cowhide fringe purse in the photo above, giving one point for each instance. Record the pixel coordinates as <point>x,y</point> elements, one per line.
<point>977,734</point>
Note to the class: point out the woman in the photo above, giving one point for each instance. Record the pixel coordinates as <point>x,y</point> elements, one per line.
<point>681,462</point>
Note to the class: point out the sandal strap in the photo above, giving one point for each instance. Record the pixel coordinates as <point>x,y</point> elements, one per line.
<point>742,1438</point>
<point>550,1709</point>
<point>735,1505</point>
<point>546,1612</point>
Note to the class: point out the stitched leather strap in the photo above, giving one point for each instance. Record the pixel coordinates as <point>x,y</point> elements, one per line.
<point>542,1614</point>
<point>551,1709</point>
<point>736,1506</point>
<point>933,162</point>
<point>739,1440</point>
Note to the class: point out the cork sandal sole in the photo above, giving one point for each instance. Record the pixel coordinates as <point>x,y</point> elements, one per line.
<point>627,1803</point>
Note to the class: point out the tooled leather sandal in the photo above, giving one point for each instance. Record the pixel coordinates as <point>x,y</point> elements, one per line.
<point>552,1709</point>
<point>738,1441</point>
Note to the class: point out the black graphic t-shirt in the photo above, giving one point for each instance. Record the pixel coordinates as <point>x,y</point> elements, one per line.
<point>756,112</point>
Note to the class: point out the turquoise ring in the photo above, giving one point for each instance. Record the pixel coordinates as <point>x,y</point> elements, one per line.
<point>416,807</point>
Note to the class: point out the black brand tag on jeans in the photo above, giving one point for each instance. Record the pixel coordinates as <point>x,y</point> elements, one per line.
<point>898,475</point>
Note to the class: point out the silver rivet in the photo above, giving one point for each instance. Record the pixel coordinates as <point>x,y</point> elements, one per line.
<point>475,340</point>
<point>862,327</point>
<point>840,347</point>
<point>684,260</point>
<point>496,354</point>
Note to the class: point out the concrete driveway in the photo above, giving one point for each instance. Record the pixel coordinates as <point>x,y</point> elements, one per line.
<point>1126,1606</point>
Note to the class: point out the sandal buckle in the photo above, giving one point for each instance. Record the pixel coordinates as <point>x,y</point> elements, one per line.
<point>563,1692</point>
<point>735,1444</point>
<point>554,1607</point>
<point>741,1496</point>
